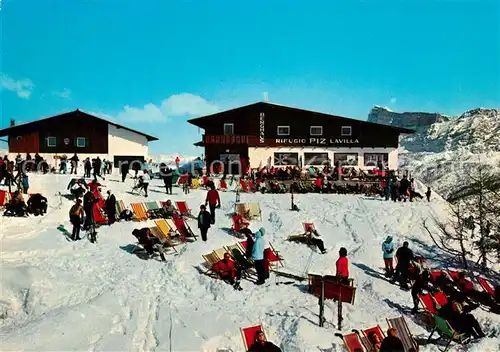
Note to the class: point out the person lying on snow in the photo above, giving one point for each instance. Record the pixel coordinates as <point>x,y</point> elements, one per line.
<point>261,345</point>
<point>16,206</point>
<point>150,243</point>
<point>310,238</point>
<point>37,204</point>
<point>228,271</point>
<point>459,317</point>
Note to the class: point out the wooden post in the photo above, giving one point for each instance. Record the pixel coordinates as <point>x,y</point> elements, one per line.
<point>322,303</point>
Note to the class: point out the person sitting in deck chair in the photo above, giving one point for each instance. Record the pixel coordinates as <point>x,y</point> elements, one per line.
<point>149,242</point>
<point>169,209</point>
<point>460,319</point>
<point>375,341</point>
<point>261,345</point>
<point>126,215</point>
<point>392,343</point>
<point>310,238</point>
<point>16,206</point>
<point>228,271</point>
<point>37,204</point>
<point>467,287</point>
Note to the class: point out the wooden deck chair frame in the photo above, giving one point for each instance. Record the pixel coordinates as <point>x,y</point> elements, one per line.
<point>445,331</point>
<point>155,231</point>
<point>280,260</point>
<point>404,332</point>
<point>139,211</point>
<point>172,226</point>
<point>430,311</point>
<point>210,260</point>
<point>253,328</point>
<point>246,272</point>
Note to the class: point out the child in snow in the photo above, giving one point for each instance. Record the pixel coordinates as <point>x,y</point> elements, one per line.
<point>388,254</point>
<point>204,221</point>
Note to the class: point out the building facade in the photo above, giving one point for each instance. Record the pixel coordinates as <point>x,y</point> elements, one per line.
<point>77,132</point>
<point>266,134</point>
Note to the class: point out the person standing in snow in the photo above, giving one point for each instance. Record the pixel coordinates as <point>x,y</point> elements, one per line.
<point>342,267</point>
<point>213,201</point>
<point>75,217</point>
<point>405,256</point>
<point>428,194</point>
<point>74,164</point>
<point>204,221</point>
<point>258,256</point>
<point>388,254</point>
<point>145,182</point>
<point>111,208</point>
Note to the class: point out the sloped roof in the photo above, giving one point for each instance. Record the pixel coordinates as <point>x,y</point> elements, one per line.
<point>199,121</point>
<point>9,130</point>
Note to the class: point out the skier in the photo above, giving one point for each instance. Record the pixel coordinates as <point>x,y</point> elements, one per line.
<point>75,217</point>
<point>342,267</point>
<point>388,254</point>
<point>213,201</point>
<point>111,208</point>
<point>258,256</point>
<point>204,221</point>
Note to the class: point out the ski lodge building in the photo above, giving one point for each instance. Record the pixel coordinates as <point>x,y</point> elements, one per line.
<point>265,134</point>
<point>77,132</point>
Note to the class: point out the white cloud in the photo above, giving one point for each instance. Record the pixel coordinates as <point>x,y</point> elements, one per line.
<point>393,100</point>
<point>22,87</point>
<point>65,93</point>
<point>177,105</point>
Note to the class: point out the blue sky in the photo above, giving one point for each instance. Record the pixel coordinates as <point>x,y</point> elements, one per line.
<point>152,65</point>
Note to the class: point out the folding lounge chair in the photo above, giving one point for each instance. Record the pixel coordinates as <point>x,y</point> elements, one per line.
<point>364,337</point>
<point>254,211</point>
<point>99,215</point>
<point>308,226</point>
<point>220,252</point>
<point>210,260</point>
<point>163,226</point>
<point>453,274</point>
<point>428,303</point>
<point>445,331</point>
<point>238,223</point>
<point>155,230</point>
<point>352,342</point>
<point>120,206</point>
<point>404,332</point>
<point>183,228</point>
<point>237,252</point>
<point>222,185</point>
<point>440,298</point>
<point>152,209</point>
<point>139,211</point>
<point>243,186</point>
<point>241,209</point>
<point>274,257</point>
<point>487,287</point>
<point>183,208</point>
<point>248,335</point>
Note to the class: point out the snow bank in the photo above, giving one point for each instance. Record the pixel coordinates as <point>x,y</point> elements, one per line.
<point>60,295</point>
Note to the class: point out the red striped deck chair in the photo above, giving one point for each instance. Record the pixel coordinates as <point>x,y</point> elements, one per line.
<point>352,342</point>
<point>99,215</point>
<point>365,337</point>
<point>248,335</point>
<point>183,208</point>
<point>243,186</point>
<point>428,303</point>
<point>440,298</point>
<point>183,228</point>
<point>308,226</point>
<point>486,286</point>
<point>222,185</point>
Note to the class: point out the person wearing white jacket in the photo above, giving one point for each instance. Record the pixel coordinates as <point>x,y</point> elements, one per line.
<point>145,182</point>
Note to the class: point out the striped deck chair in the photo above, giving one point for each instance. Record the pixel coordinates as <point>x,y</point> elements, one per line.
<point>445,331</point>
<point>120,206</point>
<point>254,211</point>
<point>404,333</point>
<point>152,209</point>
<point>220,252</point>
<point>183,208</point>
<point>428,302</point>
<point>183,228</point>
<point>364,337</point>
<point>155,230</point>
<point>139,211</point>
<point>249,334</point>
<point>308,226</point>
<point>210,260</point>
<point>486,286</point>
<point>352,342</point>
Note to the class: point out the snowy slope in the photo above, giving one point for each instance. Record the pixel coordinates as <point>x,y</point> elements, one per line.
<point>60,295</point>
<point>444,153</point>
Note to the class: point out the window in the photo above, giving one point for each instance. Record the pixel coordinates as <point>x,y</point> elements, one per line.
<point>283,130</point>
<point>346,131</point>
<point>285,159</point>
<point>81,142</point>
<point>316,159</point>
<point>345,159</point>
<point>316,131</point>
<point>51,141</point>
<point>376,159</point>
<point>228,128</point>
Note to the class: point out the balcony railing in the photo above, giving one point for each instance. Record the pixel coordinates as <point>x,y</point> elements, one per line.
<point>227,139</point>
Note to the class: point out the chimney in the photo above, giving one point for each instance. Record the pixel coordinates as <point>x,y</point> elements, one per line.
<point>266,97</point>
<point>12,123</point>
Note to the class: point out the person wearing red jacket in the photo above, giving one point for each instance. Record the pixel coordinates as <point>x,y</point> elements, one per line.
<point>342,266</point>
<point>227,271</point>
<point>213,201</point>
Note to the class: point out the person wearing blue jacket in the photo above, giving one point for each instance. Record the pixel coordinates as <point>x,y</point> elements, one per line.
<point>388,253</point>
<point>258,256</point>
